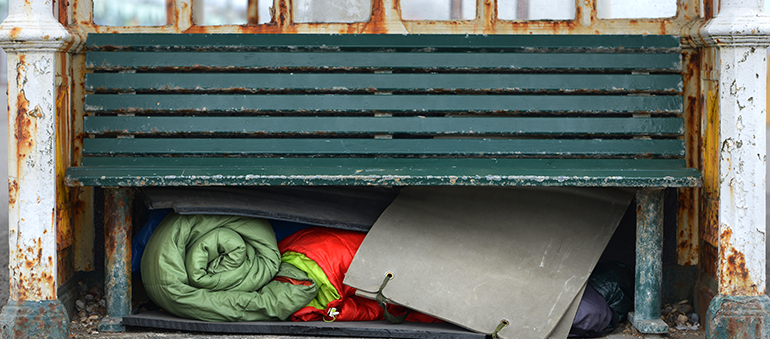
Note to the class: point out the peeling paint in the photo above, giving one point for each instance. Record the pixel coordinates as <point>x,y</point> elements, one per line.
<point>31,46</point>
<point>649,264</point>
<point>32,277</point>
<point>396,180</point>
<point>741,269</point>
<point>117,251</point>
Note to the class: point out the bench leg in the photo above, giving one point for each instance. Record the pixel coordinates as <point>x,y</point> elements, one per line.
<point>649,266</point>
<point>117,258</point>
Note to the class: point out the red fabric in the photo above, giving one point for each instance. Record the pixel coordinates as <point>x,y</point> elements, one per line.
<point>333,250</point>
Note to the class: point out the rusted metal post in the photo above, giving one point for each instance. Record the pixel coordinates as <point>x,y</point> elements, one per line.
<point>32,38</point>
<point>649,265</point>
<point>252,12</point>
<point>739,35</point>
<point>117,257</point>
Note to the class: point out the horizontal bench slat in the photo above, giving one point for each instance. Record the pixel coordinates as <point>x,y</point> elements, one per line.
<point>362,163</point>
<point>378,147</point>
<point>371,82</point>
<point>369,41</point>
<point>140,125</point>
<point>381,171</point>
<point>381,60</point>
<point>385,103</point>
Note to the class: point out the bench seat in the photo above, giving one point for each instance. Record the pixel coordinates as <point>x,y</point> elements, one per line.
<point>387,110</point>
<point>229,109</point>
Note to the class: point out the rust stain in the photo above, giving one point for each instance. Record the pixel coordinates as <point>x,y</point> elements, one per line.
<point>282,14</point>
<point>705,256</point>
<point>579,12</point>
<point>48,281</point>
<point>35,286</point>
<point>279,23</point>
<point>687,246</point>
<point>710,150</point>
<point>83,23</point>
<point>734,277</point>
<point>24,127</point>
<point>83,252</point>
<point>65,268</point>
<point>708,9</point>
<point>252,12</point>
<point>15,33</point>
<point>21,293</point>
<point>170,12</point>
<point>63,12</point>
<point>688,229</point>
<point>114,235</point>
<point>709,166</point>
<point>13,191</point>
<point>377,23</point>
<point>63,217</point>
<point>489,16</point>
<point>78,69</point>
<point>78,205</point>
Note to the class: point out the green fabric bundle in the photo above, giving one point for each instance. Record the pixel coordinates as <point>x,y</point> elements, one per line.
<point>222,268</point>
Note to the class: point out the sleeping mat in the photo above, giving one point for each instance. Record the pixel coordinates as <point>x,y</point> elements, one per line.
<point>222,268</point>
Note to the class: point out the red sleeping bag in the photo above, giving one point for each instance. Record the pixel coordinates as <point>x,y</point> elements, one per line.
<point>333,250</point>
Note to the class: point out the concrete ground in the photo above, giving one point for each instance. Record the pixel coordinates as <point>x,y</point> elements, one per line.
<point>181,335</point>
<point>623,332</point>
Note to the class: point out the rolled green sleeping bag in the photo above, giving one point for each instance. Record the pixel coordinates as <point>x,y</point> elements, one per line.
<point>222,268</point>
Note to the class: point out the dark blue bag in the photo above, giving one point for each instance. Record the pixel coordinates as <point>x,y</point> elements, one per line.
<point>141,238</point>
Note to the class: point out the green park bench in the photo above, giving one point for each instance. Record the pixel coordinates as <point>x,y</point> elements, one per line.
<point>391,110</point>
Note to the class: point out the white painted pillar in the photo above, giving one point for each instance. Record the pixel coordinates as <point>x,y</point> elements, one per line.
<point>31,37</point>
<point>740,33</point>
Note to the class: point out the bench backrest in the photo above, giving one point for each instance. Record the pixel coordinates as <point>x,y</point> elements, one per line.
<point>380,95</point>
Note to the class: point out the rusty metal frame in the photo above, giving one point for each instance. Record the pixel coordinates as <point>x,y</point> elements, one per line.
<point>386,18</point>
